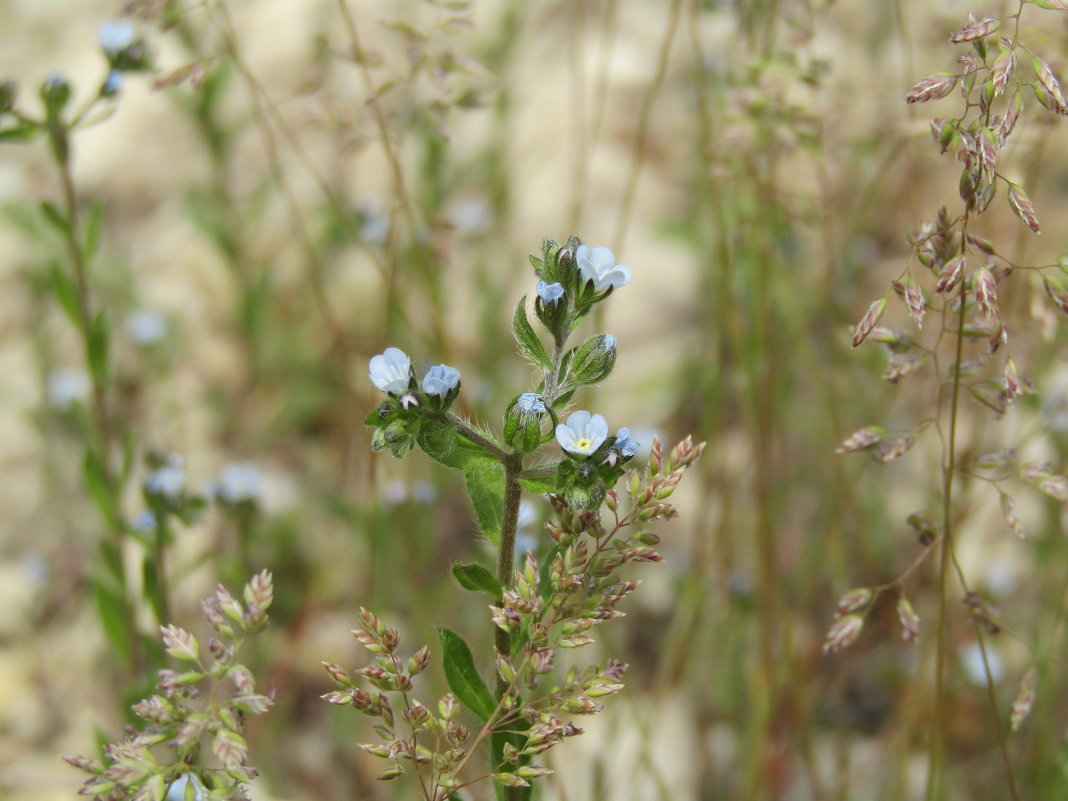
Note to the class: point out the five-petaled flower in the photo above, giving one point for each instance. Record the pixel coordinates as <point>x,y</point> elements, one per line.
<point>549,293</point>
<point>599,265</point>
<point>391,371</point>
<point>583,433</point>
<point>531,403</point>
<point>440,380</point>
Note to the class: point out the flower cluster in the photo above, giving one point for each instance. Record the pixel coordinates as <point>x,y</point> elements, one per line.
<point>536,609</point>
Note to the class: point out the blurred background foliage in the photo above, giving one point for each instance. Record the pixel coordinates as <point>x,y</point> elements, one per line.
<point>331,177</point>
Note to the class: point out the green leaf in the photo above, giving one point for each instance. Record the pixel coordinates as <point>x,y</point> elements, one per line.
<point>545,573</point>
<point>59,220</point>
<point>528,341</point>
<point>476,578</point>
<point>99,487</point>
<point>462,676</point>
<point>153,589</point>
<point>98,346</point>
<point>438,441</point>
<point>64,291</point>
<point>94,223</point>
<point>539,485</point>
<point>112,612</point>
<point>485,486</point>
<point>23,132</point>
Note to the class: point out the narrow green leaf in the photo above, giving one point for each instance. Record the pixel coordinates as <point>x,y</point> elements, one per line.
<point>98,486</point>
<point>112,612</point>
<point>528,341</point>
<point>462,676</point>
<point>98,347</point>
<point>545,575</point>
<point>153,589</point>
<point>94,223</point>
<point>65,292</point>
<point>476,578</point>
<point>540,485</point>
<point>58,219</point>
<point>23,132</point>
<point>485,486</point>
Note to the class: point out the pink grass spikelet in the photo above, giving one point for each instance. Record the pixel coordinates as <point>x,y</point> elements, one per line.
<point>975,29</point>
<point>901,365</point>
<point>951,275</point>
<point>910,621</point>
<point>1025,699</point>
<point>931,87</point>
<point>868,321</point>
<point>862,439</point>
<point>1008,511</point>
<point>855,600</point>
<point>843,633</point>
<point>1023,207</point>
<point>986,292</point>
<point>1003,70</point>
<point>893,447</point>
<point>915,300</point>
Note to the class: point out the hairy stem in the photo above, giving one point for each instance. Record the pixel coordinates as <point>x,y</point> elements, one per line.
<point>502,641</point>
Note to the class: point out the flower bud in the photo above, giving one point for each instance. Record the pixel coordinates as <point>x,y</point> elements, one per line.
<point>55,93</point>
<point>522,422</point>
<point>594,360</point>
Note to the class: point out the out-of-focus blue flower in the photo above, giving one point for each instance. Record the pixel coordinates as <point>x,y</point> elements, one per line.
<point>146,522</point>
<point>627,445</point>
<point>583,433</point>
<point>531,403</point>
<point>114,37</point>
<point>549,293</point>
<point>145,327</point>
<point>440,380</point>
<point>66,387</point>
<point>599,265</point>
<point>167,481</point>
<point>390,371</point>
<point>241,481</point>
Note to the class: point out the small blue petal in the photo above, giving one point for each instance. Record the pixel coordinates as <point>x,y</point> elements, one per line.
<point>549,293</point>
<point>114,37</point>
<point>531,402</point>
<point>391,370</point>
<point>583,433</point>
<point>440,380</point>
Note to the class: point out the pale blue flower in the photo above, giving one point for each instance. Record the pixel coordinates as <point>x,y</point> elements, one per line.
<point>599,265</point>
<point>549,293</point>
<point>145,327</point>
<point>626,444</point>
<point>531,403</point>
<point>145,522</point>
<point>168,481</point>
<point>67,386</point>
<point>114,37</point>
<point>583,433</point>
<point>440,380</point>
<point>176,792</point>
<point>241,481</point>
<point>390,371</point>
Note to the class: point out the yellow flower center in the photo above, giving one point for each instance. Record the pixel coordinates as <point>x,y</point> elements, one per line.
<point>584,444</point>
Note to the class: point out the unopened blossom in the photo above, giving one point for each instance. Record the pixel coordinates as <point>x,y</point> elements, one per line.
<point>583,433</point>
<point>391,370</point>
<point>168,481</point>
<point>549,293</point>
<point>599,265</point>
<point>440,380</point>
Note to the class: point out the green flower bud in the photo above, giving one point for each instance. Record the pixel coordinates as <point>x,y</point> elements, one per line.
<point>55,93</point>
<point>594,360</point>
<point>522,422</point>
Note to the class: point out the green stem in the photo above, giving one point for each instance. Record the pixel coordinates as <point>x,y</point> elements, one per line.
<point>502,641</point>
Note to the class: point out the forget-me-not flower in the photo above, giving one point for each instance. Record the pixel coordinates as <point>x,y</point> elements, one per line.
<point>599,265</point>
<point>114,37</point>
<point>168,481</point>
<point>440,380</point>
<point>390,371</point>
<point>67,386</point>
<point>549,293</point>
<point>626,444</point>
<point>531,403</point>
<point>241,481</point>
<point>145,327</point>
<point>583,433</point>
